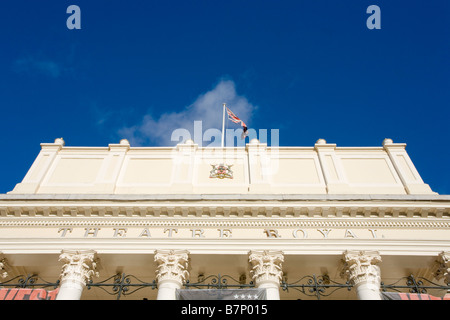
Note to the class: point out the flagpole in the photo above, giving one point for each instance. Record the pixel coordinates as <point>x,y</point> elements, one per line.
<point>223,125</point>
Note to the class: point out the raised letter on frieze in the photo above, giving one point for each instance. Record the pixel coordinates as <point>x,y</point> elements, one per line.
<point>197,233</point>
<point>272,233</point>
<point>349,234</point>
<point>374,235</point>
<point>91,231</point>
<point>171,230</point>
<point>64,231</point>
<point>295,233</point>
<point>324,232</point>
<point>120,232</point>
<point>224,233</point>
<point>145,233</point>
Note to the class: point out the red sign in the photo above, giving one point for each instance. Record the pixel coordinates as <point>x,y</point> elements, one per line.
<point>27,294</point>
<point>411,296</point>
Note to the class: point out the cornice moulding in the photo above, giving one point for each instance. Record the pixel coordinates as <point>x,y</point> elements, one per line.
<point>236,223</point>
<point>231,246</point>
<point>223,197</point>
<point>226,205</point>
<point>230,210</point>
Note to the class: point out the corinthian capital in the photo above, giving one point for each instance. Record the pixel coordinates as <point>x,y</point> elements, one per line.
<point>442,269</point>
<point>172,265</point>
<point>79,266</point>
<point>361,267</point>
<point>266,266</point>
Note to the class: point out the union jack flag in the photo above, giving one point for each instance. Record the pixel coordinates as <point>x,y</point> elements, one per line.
<point>235,119</point>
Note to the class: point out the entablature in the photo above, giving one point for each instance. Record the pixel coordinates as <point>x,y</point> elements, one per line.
<point>227,206</point>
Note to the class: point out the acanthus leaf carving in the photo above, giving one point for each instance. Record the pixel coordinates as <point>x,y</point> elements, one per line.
<point>266,265</point>
<point>361,267</point>
<point>79,266</point>
<point>172,265</point>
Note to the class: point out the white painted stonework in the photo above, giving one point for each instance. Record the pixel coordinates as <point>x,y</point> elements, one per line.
<point>360,215</point>
<point>79,267</point>
<point>171,273</point>
<point>257,169</point>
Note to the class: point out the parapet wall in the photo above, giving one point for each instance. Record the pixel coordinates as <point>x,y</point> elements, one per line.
<point>255,169</point>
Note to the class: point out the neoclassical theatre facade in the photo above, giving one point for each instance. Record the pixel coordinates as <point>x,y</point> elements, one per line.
<point>320,222</point>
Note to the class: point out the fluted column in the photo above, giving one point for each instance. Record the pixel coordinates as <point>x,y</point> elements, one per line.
<point>171,272</point>
<point>443,267</point>
<point>266,271</point>
<point>78,269</point>
<point>362,271</point>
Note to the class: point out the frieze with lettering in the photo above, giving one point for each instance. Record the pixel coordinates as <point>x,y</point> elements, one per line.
<point>221,233</point>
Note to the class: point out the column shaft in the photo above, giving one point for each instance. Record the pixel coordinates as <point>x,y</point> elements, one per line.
<point>167,289</point>
<point>368,291</point>
<point>70,290</point>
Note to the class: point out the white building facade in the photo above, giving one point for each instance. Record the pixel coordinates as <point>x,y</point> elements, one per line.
<point>321,222</point>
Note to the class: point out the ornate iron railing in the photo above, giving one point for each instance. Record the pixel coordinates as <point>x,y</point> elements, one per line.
<point>323,286</point>
<point>29,281</point>
<point>121,284</point>
<point>219,282</point>
<point>315,286</point>
<point>414,285</point>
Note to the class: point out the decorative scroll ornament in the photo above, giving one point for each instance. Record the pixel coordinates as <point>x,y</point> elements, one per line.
<point>3,268</point>
<point>79,266</point>
<point>266,265</point>
<point>172,265</point>
<point>442,267</point>
<point>221,171</point>
<point>361,266</point>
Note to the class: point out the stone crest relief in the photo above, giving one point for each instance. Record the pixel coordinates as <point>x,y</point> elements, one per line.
<point>221,171</point>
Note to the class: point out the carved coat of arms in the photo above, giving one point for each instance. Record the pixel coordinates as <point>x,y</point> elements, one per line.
<point>221,171</point>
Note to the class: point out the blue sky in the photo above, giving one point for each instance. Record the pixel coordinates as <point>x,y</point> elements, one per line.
<point>140,69</point>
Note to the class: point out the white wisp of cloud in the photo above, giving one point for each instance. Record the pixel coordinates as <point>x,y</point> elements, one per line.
<point>207,108</point>
<point>31,65</point>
